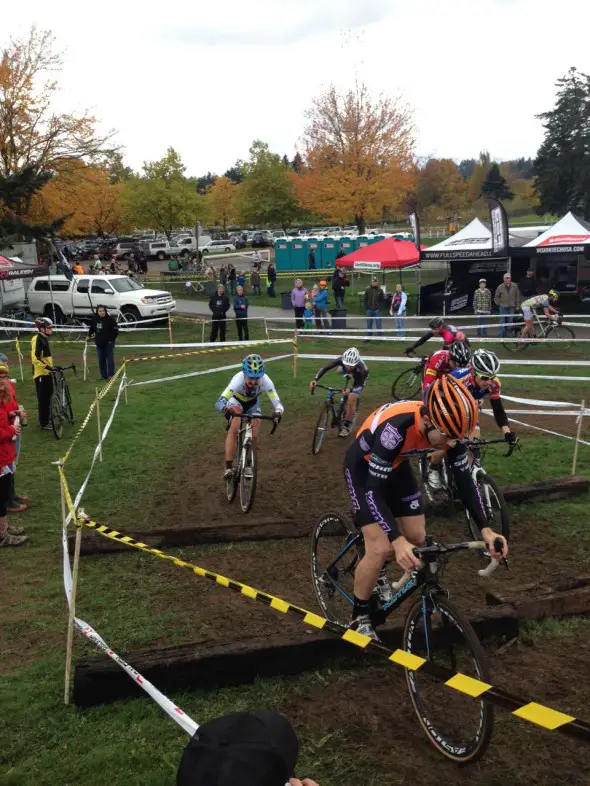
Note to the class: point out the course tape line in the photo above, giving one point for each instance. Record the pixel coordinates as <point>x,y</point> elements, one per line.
<point>196,352</point>
<point>544,430</point>
<point>531,711</point>
<point>504,361</point>
<point>201,373</point>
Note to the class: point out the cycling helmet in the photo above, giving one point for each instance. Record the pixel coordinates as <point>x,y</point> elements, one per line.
<point>351,357</point>
<point>43,322</point>
<point>451,407</point>
<point>553,295</point>
<point>253,367</point>
<point>460,353</point>
<point>485,363</point>
<point>3,358</point>
<point>436,323</point>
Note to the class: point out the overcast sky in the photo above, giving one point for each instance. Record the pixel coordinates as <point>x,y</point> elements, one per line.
<point>210,77</point>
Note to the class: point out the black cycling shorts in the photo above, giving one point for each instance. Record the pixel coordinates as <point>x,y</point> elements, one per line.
<point>402,495</point>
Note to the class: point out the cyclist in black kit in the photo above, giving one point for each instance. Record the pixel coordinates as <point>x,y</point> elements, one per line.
<point>348,363</point>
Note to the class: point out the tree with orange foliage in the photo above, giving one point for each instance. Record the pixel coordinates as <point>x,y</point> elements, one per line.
<point>358,155</point>
<point>440,190</point>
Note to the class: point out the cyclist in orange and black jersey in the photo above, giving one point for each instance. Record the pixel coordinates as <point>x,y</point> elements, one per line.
<point>383,490</point>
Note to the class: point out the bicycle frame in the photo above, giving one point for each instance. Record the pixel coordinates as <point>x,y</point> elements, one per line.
<point>332,393</point>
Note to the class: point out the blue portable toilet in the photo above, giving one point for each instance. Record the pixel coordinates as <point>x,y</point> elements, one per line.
<point>298,251</point>
<point>314,243</point>
<point>330,247</point>
<point>377,238</point>
<point>346,244</point>
<point>282,254</point>
<point>360,241</point>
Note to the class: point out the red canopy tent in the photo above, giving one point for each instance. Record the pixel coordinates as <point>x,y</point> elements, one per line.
<point>9,268</point>
<point>386,254</point>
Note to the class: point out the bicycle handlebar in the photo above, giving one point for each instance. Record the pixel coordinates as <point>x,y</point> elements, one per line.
<point>440,548</point>
<point>61,369</point>
<point>246,416</point>
<point>469,443</point>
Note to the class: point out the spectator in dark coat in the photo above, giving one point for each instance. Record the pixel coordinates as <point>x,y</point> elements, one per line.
<point>219,305</point>
<point>271,277</point>
<point>105,331</point>
<point>232,276</point>
<point>311,259</point>
<point>528,285</point>
<point>241,311</point>
<point>339,284</point>
<point>255,280</point>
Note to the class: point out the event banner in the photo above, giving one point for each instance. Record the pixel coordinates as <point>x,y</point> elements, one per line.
<point>499,225</point>
<point>415,224</point>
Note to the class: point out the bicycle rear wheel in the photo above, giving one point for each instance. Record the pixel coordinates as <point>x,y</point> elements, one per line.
<point>564,333</point>
<point>76,330</point>
<point>494,505</point>
<point>458,725</point>
<point>56,413</point>
<point>516,346</point>
<point>407,385</point>
<point>248,478</point>
<point>321,430</point>
<point>335,552</point>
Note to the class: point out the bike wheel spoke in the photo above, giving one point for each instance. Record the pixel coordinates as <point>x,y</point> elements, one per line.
<point>334,556</point>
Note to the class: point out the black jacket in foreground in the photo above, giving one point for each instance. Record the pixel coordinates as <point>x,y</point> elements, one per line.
<point>219,305</point>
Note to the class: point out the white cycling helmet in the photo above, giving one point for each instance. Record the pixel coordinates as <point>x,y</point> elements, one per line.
<point>351,357</point>
<point>485,363</point>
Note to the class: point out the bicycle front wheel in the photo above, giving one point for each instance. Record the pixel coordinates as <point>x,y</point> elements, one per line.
<point>56,414</point>
<point>407,385</point>
<point>565,334</point>
<point>69,412</point>
<point>336,550</point>
<point>321,430</point>
<point>248,478</point>
<point>518,345</point>
<point>76,330</point>
<point>458,725</point>
<point>494,505</point>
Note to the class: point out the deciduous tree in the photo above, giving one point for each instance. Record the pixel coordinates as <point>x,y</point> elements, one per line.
<point>562,165</point>
<point>162,198</point>
<point>440,189</point>
<point>267,193</point>
<point>359,156</point>
<point>223,203</point>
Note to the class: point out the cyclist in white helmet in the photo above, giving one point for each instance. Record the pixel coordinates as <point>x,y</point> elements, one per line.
<point>351,364</point>
<point>481,380</point>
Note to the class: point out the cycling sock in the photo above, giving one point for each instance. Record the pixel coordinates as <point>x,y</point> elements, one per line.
<point>360,607</point>
<point>229,464</point>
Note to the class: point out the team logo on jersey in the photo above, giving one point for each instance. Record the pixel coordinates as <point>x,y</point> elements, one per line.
<point>390,437</point>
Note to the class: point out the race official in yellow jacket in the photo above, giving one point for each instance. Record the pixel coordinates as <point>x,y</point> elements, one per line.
<point>42,364</point>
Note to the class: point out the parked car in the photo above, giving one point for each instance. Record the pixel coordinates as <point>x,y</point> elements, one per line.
<point>219,246</point>
<point>261,241</point>
<point>125,248</point>
<point>80,296</point>
<point>162,249</point>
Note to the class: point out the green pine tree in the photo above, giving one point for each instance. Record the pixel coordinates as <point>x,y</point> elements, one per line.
<point>495,185</point>
<point>562,165</point>
<point>16,193</point>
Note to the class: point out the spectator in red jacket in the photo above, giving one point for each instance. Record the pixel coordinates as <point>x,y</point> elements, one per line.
<point>9,431</point>
<point>16,502</point>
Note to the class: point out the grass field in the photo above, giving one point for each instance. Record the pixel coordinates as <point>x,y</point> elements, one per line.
<point>164,446</point>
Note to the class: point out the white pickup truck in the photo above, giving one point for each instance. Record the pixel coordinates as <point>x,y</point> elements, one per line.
<point>80,296</point>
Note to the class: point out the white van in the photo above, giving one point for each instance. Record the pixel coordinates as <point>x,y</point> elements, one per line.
<point>80,297</point>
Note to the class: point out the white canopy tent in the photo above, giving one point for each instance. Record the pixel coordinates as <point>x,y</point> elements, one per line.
<point>570,235</point>
<point>471,242</point>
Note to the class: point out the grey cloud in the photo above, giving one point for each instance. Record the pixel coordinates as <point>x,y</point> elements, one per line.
<point>318,17</point>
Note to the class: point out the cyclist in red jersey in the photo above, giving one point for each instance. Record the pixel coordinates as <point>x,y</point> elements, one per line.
<point>438,327</point>
<point>445,361</point>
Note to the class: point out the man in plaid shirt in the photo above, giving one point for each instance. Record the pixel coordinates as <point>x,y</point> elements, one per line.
<point>482,306</point>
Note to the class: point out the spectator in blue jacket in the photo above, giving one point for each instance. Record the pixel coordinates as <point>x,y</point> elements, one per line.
<point>241,309</point>
<point>320,303</point>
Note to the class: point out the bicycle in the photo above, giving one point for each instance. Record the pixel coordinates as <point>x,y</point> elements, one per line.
<point>61,400</point>
<point>542,328</point>
<point>435,630</point>
<point>9,322</point>
<point>491,495</point>
<point>408,384</point>
<point>330,409</point>
<point>194,286</point>
<point>245,471</point>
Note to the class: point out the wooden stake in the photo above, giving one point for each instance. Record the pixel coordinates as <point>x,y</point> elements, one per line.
<point>98,424</point>
<point>578,433</point>
<point>72,608</point>
<point>204,322</point>
<point>266,328</point>
<point>295,351</point>
<point>126,380</point>
<point>20,360</point>
<point>170,329</point>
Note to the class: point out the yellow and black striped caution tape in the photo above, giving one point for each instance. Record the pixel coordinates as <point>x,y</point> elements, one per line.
<point>530,711</point>
<point>195,352</point>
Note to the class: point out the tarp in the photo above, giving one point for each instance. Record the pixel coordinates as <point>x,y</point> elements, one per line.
<point>570,235</point>
<point>383,255</point>
<point>10,268</point>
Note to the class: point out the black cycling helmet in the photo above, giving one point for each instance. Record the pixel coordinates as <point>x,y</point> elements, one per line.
<point>460,353</point>
<point>436,322</point>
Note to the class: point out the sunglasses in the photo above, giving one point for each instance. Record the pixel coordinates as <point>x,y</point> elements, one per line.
<point>485,376</point>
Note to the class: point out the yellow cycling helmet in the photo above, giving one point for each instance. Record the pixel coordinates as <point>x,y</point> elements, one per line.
<point>553,295</point>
